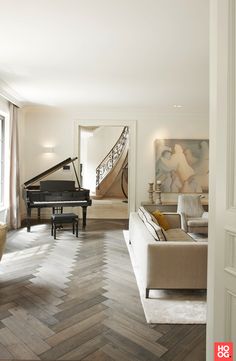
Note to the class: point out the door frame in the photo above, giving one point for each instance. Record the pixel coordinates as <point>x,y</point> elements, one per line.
<point>131,155</point>
<point>221,315</point>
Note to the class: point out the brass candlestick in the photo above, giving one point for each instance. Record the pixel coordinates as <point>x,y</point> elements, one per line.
<point>151,191</point>
<point>158,192</point>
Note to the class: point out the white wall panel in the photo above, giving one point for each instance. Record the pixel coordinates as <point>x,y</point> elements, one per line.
<point>230,325</point>
<point>231,130</point>
<point>230,251</point>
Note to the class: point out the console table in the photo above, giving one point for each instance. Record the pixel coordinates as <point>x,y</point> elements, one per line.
<point>167,206</point>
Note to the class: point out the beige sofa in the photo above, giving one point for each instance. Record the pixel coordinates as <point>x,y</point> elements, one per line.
<point>171,264</point>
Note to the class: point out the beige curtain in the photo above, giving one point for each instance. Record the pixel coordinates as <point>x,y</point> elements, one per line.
<point>13,216</point>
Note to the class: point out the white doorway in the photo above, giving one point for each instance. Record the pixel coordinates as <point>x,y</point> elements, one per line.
<point>96,144</point>
<point>88,135</point>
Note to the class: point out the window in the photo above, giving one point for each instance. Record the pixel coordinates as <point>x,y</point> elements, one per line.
<point>2,143</point>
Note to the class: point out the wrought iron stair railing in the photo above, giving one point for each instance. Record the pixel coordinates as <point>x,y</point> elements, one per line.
<point>110,161</point>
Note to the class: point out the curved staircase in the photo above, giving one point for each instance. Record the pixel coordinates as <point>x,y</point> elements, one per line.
<point>112,172</point>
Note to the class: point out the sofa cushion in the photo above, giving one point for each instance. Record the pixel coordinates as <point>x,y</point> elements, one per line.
<point>155,230</point>
<point>144,214</point>
<point>177,234</point>
<point>161,219</point>
<point>197,222</point>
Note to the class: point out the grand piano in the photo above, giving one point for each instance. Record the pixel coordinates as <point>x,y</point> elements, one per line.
<point>55,193</point>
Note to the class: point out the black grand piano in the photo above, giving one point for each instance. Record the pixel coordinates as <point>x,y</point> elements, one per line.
<point>55,193</point>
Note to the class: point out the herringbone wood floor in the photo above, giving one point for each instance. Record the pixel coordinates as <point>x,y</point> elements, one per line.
<point>77,299</point>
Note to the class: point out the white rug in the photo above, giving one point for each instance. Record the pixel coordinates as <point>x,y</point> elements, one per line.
<point>169,306</point>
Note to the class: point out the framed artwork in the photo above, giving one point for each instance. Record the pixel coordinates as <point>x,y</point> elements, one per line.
<point>182,165</point>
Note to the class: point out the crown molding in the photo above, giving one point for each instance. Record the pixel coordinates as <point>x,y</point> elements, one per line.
<point>11,95</point>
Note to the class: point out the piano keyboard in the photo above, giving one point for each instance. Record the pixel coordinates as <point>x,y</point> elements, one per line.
<point>59,202</point>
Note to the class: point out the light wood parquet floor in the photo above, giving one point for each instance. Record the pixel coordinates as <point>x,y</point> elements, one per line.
<point>77,299</point>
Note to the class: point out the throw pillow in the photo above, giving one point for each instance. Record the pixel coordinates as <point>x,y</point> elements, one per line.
<point>144,214</point>
<point>161,219</point>
<point>141,215</point>
<point>155,230</point>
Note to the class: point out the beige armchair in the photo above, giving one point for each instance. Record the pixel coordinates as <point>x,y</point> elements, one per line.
<point>3,232</point>
<point>193,217</point>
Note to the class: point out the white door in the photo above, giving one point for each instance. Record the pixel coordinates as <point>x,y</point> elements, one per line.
<point>221,324</point>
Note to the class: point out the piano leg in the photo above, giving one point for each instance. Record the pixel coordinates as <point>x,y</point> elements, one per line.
<point>39,211</point>
<point>28,219</point>
<point>84,216</point>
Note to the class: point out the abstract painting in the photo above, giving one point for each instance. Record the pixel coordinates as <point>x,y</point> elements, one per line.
<point>182,165</point>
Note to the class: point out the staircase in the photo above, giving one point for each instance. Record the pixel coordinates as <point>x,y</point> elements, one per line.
<point>110,179</point>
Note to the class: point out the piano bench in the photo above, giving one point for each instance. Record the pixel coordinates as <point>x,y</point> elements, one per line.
<point>58,218</point>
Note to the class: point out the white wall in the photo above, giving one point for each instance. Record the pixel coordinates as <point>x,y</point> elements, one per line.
<point>48,126</point>
<point>45,128</point>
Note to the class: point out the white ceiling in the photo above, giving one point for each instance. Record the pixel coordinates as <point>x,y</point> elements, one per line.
<point>108,53</point>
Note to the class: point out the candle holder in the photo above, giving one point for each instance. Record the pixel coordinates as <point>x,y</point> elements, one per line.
<point>158,192</point>
<point>151,191</point>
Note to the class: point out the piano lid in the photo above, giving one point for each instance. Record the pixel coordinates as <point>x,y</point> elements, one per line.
<point>52,170</point>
